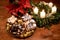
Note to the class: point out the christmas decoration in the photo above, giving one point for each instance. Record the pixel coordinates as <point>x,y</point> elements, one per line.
<point>45,14</point>
<point>21,27</point>
<point>20,6</point>
<point>20,24</point>
<point>27,15</point>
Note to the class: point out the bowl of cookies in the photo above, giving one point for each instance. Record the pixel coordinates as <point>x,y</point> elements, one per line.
<point>22,27</point>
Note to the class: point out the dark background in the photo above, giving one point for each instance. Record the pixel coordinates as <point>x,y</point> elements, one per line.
<point>40,33</point>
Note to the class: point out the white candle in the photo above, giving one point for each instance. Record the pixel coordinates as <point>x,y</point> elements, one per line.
<point>35,10</point>
<point>54,9</point>
<point>42,14</point>
<point>50,4</point>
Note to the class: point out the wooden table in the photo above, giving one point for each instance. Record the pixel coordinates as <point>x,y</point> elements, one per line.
<point>40,33</point>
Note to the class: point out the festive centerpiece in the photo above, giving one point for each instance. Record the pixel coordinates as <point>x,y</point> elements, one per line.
<point>27,15</point>
<point>20,24</point>
<point>45,14</point>
<point>21,27</point>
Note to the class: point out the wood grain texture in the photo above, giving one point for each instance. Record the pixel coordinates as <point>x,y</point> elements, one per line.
<point>40,33</point>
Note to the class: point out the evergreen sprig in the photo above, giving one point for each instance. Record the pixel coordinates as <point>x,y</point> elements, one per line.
<point>48,21</point>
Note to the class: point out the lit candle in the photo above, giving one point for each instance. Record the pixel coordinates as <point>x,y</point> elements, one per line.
<point>54,9</point>
<point>42,14</point>
<point>50,4</point>
<point>35,10</point>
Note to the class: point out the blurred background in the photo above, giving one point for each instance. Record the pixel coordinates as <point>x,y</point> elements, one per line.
<point>56,2</point>
<point>40,33</point>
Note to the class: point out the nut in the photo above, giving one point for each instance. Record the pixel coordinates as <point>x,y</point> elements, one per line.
<point>32,31</point>
<point>21,35</point>
<point>14,32</point>
<point>20,21</point>
<point>8,28</point>
<point>25,35</point>
<point>7,24</point>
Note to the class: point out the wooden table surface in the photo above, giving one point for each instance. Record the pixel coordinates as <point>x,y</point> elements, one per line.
<point>40,33</point>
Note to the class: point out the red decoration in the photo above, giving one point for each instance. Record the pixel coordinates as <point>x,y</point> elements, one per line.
<point>21,5</point>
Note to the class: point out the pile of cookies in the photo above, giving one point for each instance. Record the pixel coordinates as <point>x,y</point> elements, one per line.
<point>21,27</point>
